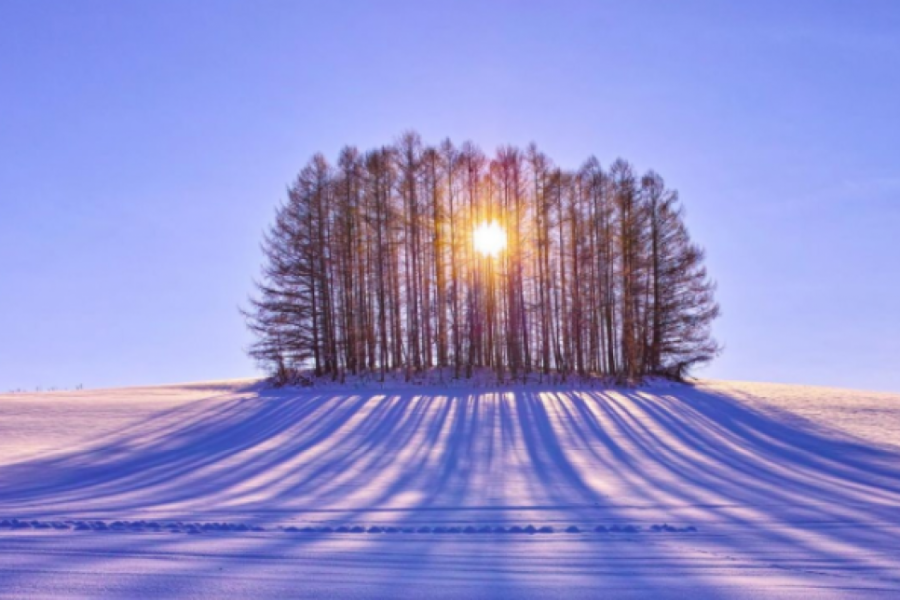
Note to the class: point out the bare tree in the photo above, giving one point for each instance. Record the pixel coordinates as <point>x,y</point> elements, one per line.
<point>370,267</point>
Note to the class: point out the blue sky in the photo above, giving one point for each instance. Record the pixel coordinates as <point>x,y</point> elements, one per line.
<point>144,146</point>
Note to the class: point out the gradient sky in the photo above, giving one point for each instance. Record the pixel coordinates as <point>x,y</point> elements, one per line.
<point>145,144</point>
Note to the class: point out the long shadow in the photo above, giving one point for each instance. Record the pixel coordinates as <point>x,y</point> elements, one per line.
<point>721,447</point>
<point>439,445</point>
<point>804,460</point>
<point>491,457</point>
<point>138,461</point>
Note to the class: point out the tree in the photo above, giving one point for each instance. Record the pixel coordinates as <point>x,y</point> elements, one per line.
<point>370,267</point>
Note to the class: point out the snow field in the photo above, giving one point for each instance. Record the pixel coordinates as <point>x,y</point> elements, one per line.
<point>718,490</point>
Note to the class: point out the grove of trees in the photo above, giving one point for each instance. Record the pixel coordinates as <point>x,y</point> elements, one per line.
<point>371,267</point>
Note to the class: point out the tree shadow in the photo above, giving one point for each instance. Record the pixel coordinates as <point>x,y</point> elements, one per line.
<point>549,456</point>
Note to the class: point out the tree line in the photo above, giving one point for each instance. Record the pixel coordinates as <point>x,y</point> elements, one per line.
<point>370,267</point>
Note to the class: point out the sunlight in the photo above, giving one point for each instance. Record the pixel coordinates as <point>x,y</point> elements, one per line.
<point>490,238</point>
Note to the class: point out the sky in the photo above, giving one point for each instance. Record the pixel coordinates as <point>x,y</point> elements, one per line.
<point>144,147</point>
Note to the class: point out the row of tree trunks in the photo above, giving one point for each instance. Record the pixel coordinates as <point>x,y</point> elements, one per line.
<point>371,267</point>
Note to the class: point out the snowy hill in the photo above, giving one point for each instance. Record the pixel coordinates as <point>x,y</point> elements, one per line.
<point>722,489</point>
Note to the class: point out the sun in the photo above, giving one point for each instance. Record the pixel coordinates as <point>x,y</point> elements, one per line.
<point>490,239</point>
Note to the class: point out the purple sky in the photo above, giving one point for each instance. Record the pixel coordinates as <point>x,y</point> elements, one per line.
<point>145,144</point>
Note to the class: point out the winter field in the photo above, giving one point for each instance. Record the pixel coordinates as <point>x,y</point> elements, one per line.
<point>230,489</point>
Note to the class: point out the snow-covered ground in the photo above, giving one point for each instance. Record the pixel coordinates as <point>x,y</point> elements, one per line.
<point>231,489</point>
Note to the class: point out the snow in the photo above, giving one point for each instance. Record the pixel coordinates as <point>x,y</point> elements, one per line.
<point>458,490</point>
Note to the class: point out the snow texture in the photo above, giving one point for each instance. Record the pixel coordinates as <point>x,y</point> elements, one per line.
<point>461,490</point>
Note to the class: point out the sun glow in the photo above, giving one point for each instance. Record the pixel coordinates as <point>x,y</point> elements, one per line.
<point>490,238</point>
